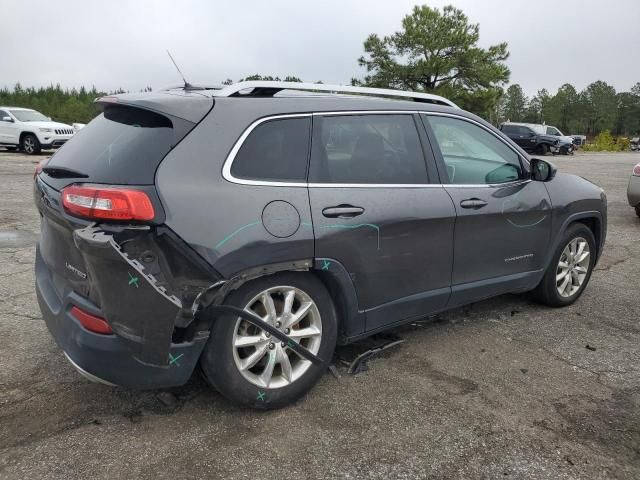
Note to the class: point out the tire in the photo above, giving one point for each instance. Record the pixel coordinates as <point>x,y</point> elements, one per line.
<point>221,360</point>
<point>30,144</point>
<point>543,149</point>
<point>547,291</point>
<point>638,211</point>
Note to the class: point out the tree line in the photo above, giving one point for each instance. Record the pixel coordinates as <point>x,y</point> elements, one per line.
<point>436,51</point>
<point>595,109</point>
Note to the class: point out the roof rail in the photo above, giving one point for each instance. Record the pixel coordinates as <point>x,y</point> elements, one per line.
<point>270,88</point>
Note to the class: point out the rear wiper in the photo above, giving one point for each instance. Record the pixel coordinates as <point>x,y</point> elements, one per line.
<point>62,172</point>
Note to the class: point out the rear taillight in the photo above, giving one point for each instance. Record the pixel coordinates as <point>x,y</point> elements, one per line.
<point>91,322</point>
<point>107,203</point>
<point>39,166</point>
<point>636,170</point>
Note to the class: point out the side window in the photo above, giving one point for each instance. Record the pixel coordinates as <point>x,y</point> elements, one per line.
<point>275,150</point>
<point>373,148</point>
<point>472,155</point>
<point>3,114</point>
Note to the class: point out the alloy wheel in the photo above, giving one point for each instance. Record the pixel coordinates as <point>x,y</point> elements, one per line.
<point>265,361</point>
<point>573,267</point>
<point>29,145</point>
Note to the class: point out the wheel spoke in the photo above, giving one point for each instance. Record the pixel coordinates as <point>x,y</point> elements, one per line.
<point>299,315</point>
<point>582,257</point>
<point>562,274</point>
<point>285,364</point>
<point>564,284</point>
<point>580,269</point>
<point>267,373</point>
<point>251,360</point>
<point>288,301</point>
<point>247,341</point>
<point>269,306</point>
<point>304,332</point>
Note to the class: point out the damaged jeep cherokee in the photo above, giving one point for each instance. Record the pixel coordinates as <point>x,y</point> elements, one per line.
<point>249,230</point>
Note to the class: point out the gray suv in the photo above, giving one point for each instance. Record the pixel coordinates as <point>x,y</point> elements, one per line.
<point>250,229</point>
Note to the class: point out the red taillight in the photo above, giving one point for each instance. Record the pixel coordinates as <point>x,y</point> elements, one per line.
<point>91,322</point>
<point>107,203</point>
<point>636,170</point>
<point>39,166</point>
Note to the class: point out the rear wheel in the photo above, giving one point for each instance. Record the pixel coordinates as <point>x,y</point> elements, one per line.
<point>638,211</point>
<point>248,366</point>
<point>543,149</point>
<point>570,269</point>
<point>30,144</point>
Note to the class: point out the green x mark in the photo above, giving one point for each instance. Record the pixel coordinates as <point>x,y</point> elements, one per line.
<point>290,343</point>
<point>325,264</point>
<point>173,359</point>
<point>261,396</point>
<point>133,280</point>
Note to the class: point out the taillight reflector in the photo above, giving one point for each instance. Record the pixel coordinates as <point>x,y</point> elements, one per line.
<point>91,322</point>
<point>107,203</point>
<point>636,170</point>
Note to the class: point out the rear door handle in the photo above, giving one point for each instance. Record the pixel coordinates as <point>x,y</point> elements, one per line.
<point>474,203</point>
<point>342,211</point>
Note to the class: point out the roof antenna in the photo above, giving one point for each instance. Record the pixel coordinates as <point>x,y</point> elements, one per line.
<point>187,85</point>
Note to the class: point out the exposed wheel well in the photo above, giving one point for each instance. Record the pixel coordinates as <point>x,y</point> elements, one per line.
<point>22,134</point>
<point>593,223</point>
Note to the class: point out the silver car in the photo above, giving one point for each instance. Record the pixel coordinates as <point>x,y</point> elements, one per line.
<point>633,190</point>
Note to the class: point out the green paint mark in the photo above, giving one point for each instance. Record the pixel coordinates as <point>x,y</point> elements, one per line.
<point>290,343</point>
<point>233,234</point>
<point>173,359</point>
<point>370,225</point>
<point>133,280</point>
<point>325,264</point>
<point>261,396</point>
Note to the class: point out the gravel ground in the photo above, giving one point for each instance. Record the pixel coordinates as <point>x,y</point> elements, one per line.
<point>500,389</point>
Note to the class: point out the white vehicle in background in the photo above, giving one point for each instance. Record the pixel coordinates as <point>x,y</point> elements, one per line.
<point>78,126</point>
<point>31,131</point>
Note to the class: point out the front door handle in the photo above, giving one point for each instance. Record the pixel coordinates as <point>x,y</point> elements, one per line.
<point>474,203</point>
<point>342,211</point>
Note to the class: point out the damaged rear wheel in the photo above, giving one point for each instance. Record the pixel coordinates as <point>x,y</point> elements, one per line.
<point>249,366</point>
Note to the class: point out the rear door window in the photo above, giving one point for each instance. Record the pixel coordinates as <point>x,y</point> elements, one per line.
<point>275,150</point>
<point>123,145</point>
<point>372,148</point>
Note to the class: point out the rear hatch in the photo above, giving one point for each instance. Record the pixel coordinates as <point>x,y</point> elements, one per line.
<point>120,149</point>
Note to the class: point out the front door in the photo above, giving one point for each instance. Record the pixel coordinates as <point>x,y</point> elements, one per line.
<point>503,220</point>
<point>376,213</point>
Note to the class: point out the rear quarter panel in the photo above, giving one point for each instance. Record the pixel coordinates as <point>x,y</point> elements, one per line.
<point>223,221</point>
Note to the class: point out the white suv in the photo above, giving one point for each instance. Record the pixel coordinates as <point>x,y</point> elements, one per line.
<point>30,130</point>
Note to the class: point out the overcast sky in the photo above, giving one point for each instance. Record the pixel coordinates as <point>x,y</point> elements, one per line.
<point>117,43</point>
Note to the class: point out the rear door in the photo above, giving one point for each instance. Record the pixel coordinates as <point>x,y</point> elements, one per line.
<point>376,212</point>
<point>503,218</point>
<point>8,130</point>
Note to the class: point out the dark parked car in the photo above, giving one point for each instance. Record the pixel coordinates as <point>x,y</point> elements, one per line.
<point>249,231</point>
<point>530,140</point>
<point>635,144</point>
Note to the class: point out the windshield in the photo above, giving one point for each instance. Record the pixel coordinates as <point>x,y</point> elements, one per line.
<point>29,116</point>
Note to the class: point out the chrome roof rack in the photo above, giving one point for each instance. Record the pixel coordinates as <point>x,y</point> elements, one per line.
<point>269,89</point>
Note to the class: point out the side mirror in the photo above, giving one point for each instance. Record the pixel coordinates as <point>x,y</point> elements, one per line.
<point>541,170</point>
<point>7,119</point>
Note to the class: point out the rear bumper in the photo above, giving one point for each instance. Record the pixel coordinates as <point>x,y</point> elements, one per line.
<point>105,358</point>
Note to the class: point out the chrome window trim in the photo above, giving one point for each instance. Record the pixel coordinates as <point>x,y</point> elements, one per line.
<point>226,168</point>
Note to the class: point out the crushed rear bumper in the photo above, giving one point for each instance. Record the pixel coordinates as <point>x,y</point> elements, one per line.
<point>107,358</point>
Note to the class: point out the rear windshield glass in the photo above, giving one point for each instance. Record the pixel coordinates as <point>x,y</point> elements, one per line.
<point>124,145</point>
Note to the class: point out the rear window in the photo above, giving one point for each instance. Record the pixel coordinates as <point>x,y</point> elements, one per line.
<point>276,150</point>
<point>123,145</point>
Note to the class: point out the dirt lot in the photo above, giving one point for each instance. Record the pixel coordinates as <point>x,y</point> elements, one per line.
<point>501,389</point>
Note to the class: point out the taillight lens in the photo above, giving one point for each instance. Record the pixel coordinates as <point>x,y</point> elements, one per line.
<point>107,203</point>
<point>636,170</point>
<point>91,322</point>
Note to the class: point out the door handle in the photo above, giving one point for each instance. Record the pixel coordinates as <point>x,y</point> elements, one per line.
<point>474,203</point>
<point>342,211</point>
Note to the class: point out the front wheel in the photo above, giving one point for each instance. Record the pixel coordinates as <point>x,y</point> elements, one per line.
<point>570,269</point>
<point>248,366</point>
<point>30,144</point>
